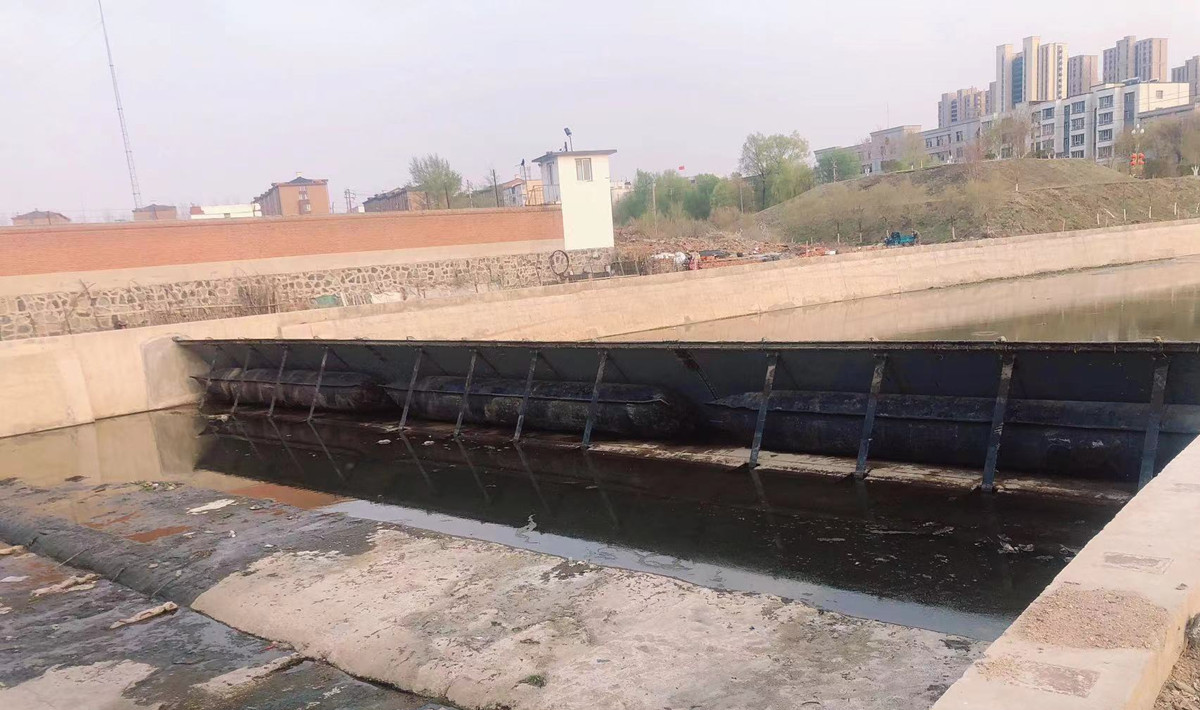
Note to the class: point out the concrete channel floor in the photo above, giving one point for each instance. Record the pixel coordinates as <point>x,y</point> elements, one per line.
<point>58,650</point>
<point>479,624</point>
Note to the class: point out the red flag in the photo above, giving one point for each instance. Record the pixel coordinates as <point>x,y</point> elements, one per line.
<point>680,168</point>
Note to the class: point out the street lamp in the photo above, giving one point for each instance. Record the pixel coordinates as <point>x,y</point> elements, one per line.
<point>569,138</point>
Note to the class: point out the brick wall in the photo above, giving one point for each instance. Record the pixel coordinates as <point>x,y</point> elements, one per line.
<point>97,247</point>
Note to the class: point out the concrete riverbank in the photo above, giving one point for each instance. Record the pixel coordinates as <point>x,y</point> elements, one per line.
<point>55,382</point>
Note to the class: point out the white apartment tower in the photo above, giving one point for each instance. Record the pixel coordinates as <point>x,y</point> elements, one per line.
<point>1052,71</point>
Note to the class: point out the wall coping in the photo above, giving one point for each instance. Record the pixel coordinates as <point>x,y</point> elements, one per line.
<point>196,223</point>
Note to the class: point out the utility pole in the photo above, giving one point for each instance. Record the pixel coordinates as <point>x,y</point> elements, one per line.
<point>349,201</point>
<point>112,69</point>
<point>654,203</point>
<point>495,187</point>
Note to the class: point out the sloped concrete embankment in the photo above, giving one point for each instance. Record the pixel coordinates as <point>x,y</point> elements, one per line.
<point>477,623</point>
<point>1106,632</point>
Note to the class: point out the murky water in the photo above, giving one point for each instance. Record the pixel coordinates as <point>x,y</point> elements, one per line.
<point>958,563</point>
<point>1137,302</point>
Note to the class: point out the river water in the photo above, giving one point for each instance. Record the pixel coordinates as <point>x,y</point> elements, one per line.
<point>1137,302</point>
<point>949,561</point>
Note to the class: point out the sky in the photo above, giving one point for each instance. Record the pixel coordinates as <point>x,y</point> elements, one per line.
<point>224,97</point>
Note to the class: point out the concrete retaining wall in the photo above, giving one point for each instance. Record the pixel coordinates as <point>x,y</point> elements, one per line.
<point>1106,632</point>
<point>53,382</point>
<point>624,306</point>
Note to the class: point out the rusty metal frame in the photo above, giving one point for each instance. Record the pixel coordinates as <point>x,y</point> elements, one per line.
<point>462,406</point>
<point>533,361</point>
<point>278,381</point>
<point>761,422</point>
<point>594,404</point>
<point>1158,391</point>
<point>864,443</point>
<point>312,407</point>
<point>998,412</point>
<point>412,382</point>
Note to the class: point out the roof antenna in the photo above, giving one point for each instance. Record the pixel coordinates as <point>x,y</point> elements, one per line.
<point>133,181</point>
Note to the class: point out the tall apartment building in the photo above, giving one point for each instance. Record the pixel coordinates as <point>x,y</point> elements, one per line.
<point>1189,74</point>
<point>1052,71</point>
<point>1132,58</point>
<point>1037,73</point>
<point>299,196</point>
<point>1083,72</point>
<point>962,105</point>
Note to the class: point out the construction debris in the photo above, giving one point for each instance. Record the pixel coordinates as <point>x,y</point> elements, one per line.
<point>11,550</point>
<point>164,608</point>
<point>209,507</point>
<point>75,583</point>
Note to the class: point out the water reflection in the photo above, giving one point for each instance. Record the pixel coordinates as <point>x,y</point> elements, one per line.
<point>1137,302</point>
<point>900,553</point>
<point>958,563</point>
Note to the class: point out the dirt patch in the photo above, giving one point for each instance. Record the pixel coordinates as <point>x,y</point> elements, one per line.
<point>152,535</point>
<point>1040,676</point>
<point>1093,618</point>
<point>1182,689</point>
<point>568,569</point>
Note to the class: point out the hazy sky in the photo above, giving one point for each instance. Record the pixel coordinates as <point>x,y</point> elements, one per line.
<point>224,97</point>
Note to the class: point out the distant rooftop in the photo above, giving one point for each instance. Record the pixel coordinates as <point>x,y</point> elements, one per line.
<point>42,214</point>
<point>154,208</point>
<point>298,180</point>
<point>552,155</point>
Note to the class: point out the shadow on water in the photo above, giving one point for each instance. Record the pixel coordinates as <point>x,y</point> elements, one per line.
<point>952,562</point>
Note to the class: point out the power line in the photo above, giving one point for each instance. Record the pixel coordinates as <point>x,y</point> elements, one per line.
<point>133,181</point>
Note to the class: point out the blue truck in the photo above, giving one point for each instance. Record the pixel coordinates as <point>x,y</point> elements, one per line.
<point>899,239</point>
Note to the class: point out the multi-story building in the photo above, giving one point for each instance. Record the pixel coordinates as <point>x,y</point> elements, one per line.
<point>402,199</point>
<point>39,217</point>
<point>521,192</point>
<point>1037,73</point>
<point>1083,72</point>
<point>1132,58</point>
<point>155,213</point>
<point>1002,89</point>
<point>1189,74</point>
<point>297,197</point>
<point>962,105</point>
<point>1052,71</point>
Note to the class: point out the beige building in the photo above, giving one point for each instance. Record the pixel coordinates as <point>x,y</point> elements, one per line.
<point>155,213</point>
<point>297,197</point>
<point>1052,72</point>
<point>1189,74</point>
<point>962,105</point>
<point>1132,58</point>
<point>520,192</point>
<point>1083,72</point>
<point>39,217</point>
<point>402,199</point>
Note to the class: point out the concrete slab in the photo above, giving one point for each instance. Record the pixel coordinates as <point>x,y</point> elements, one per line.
<point>60,652</point>
<point>1106,633</point>
<point>479,623</point>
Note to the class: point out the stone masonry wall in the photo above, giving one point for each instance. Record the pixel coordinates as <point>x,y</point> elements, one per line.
<point>90,309</point>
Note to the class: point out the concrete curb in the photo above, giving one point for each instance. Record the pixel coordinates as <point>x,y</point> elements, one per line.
<point>1105,634</point>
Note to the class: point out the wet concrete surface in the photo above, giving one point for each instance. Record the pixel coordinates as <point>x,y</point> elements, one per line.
<point>1125,303</point>
<point>948,560</point>
<point>466,619</point>
<point>58,651</point>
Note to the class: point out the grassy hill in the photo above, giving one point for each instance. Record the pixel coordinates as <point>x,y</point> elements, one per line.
<point>999,198</point>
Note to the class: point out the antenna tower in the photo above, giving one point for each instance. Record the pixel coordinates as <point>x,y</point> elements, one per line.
<point>133,181</point>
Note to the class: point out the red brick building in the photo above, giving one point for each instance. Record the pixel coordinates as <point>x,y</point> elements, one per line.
<point>154,213</point>
<point>39,217</point>
<point>295,198</point>
<point>402,199</point>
